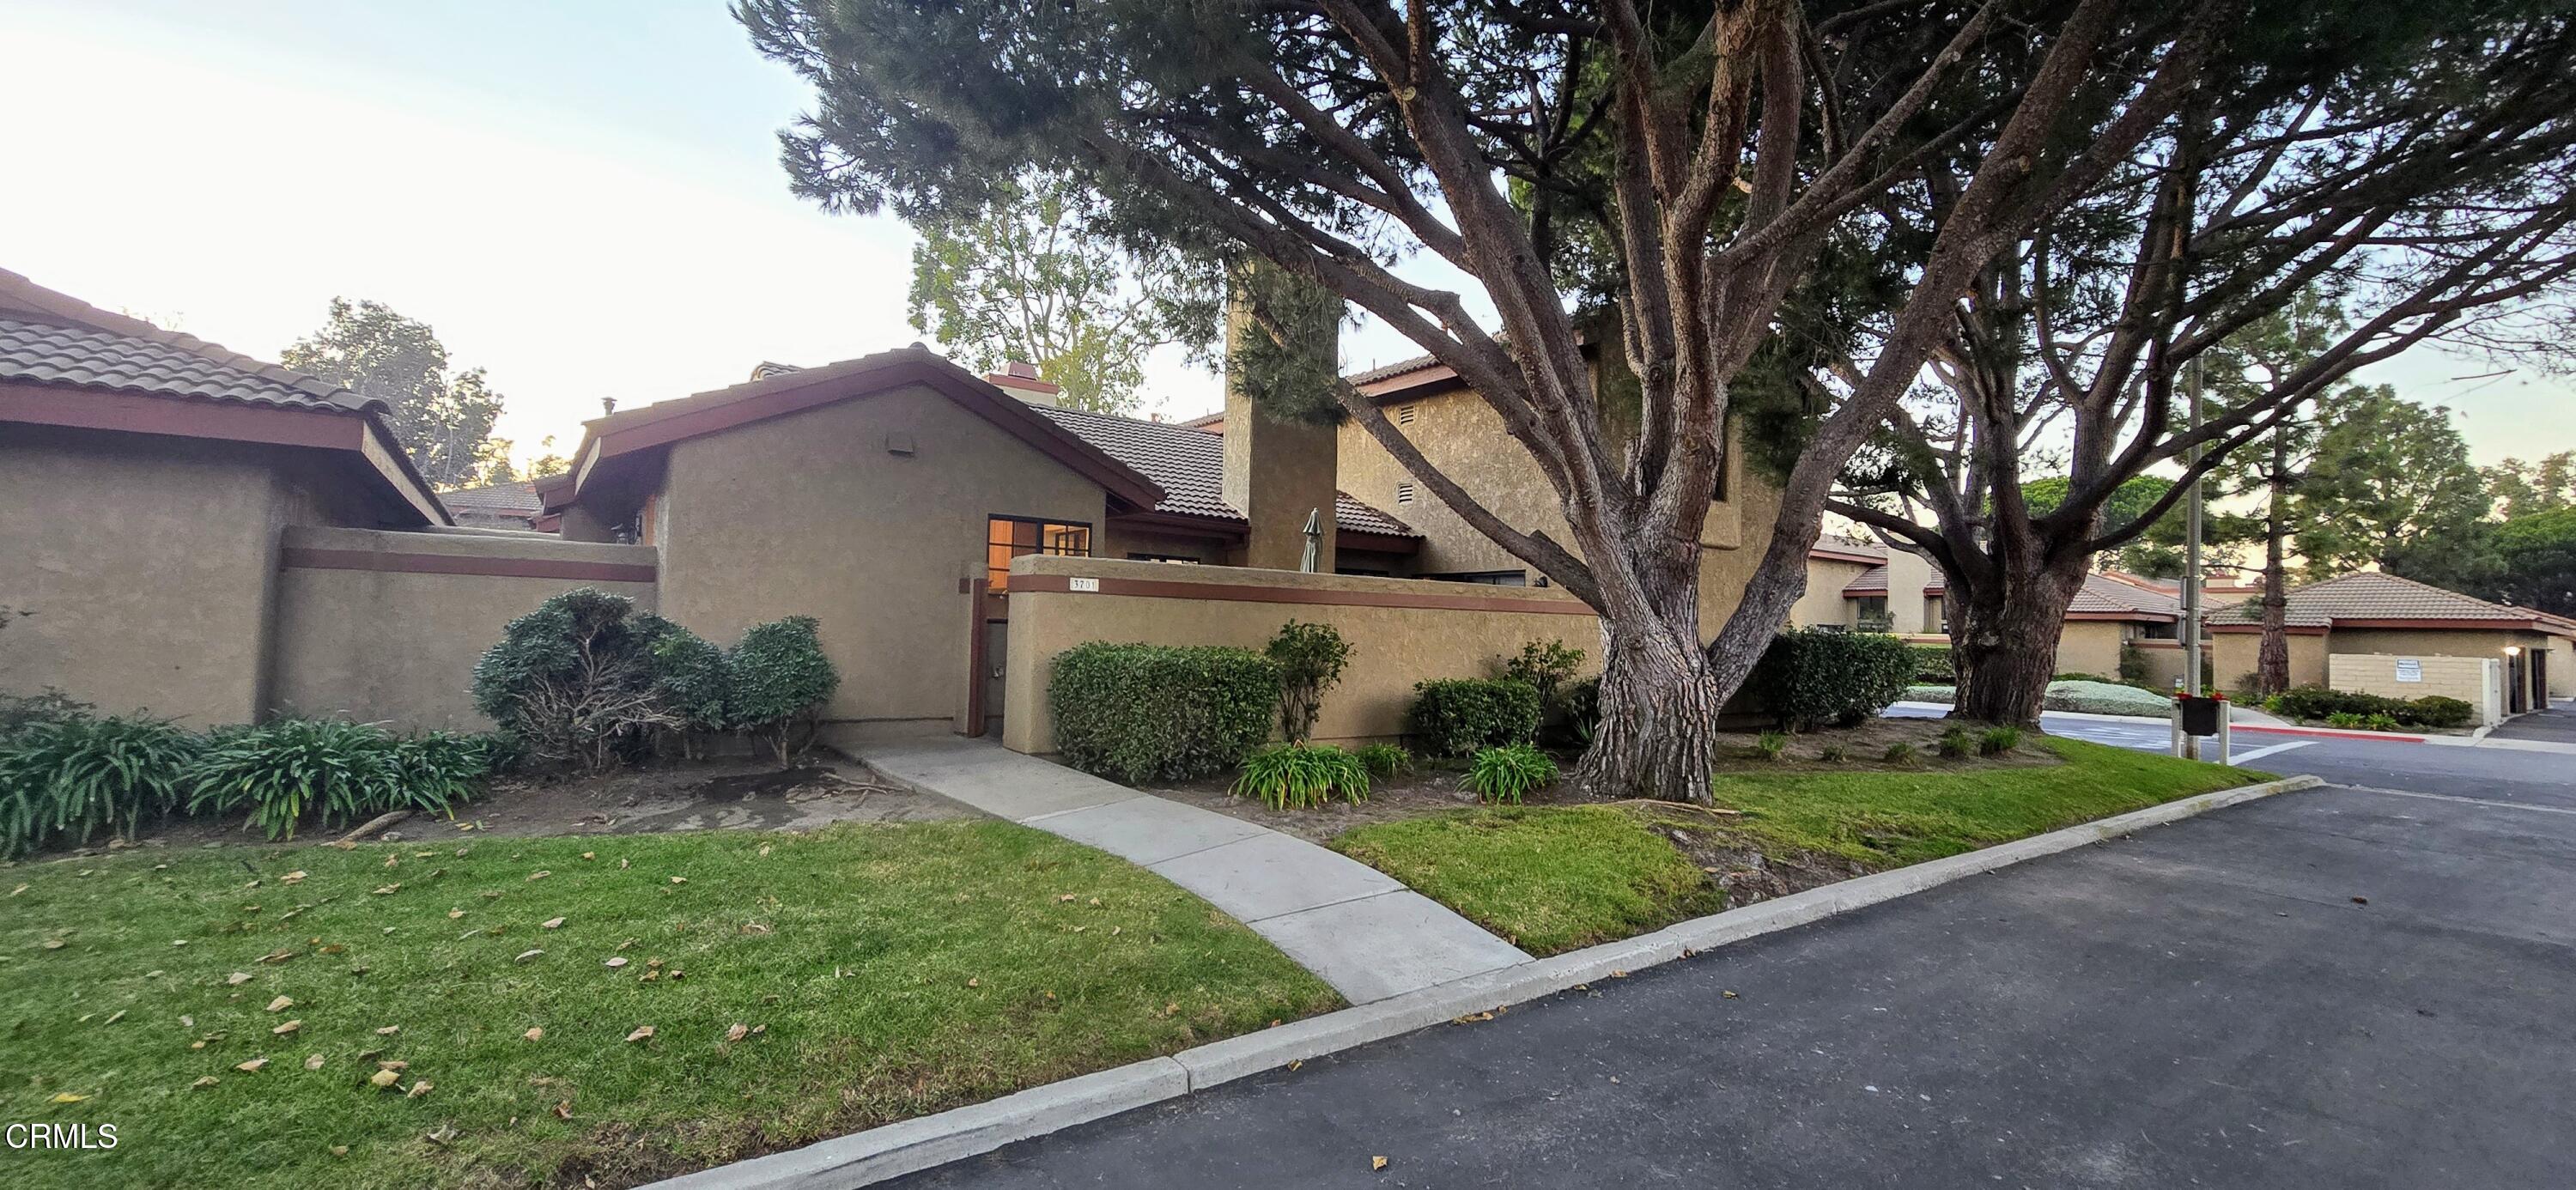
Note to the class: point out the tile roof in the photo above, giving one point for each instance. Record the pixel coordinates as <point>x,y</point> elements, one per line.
<point>1390,371</point>
<point>1872,581</point>
<point>2101,595</point>
<point>2370,595</point>
<point>1189,464</point>
<point>517,498</point>
<point>54,339</point>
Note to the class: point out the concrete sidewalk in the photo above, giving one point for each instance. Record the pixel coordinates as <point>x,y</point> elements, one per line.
<point>1354,926</point>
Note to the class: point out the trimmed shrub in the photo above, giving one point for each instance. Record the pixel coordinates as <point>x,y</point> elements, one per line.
<point>573,680</point>
<point>1504,775</point>
<point>1384,760</point>
<point>776,678</point>
<point>1833,754</point>
<point>1457,716</point>
<point>692,681</point>
<point>290,769</point>
<point>1302,776</point>
<point>1547,667</point>
<point>2319,702</point>
<point>2133,662</point>
<point>1159,712</point>
<point>1810,678</point>
<point>1933,665</point>
<point>2435,710</point>
<point>74,777</point>
<point>1310,658</point>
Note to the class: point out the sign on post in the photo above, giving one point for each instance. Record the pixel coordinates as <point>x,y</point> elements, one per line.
<point>2410,670</point>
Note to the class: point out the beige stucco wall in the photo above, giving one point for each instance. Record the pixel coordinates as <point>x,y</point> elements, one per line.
<point>2439,642</point>
<point>1393,647</point>
<point>808,514</point>
<point>2477,681</point>
<point>1823,602</point>
<point>2562,667</point>
<point>2239,654</point>
<point>387,645</point>
<point>145,567</point>
<point>2164,665</point>
<point>2090,647</point>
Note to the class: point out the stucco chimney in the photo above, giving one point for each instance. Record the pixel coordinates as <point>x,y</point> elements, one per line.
<point>1277,471</point>
<point>1020,379</point>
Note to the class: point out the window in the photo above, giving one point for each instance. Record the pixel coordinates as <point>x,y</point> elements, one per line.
<point>1870,614</point>
<point>2161,632</point>
<point>1175,559</point>
<point>1484,578</point>
<point>1007,537</point>
<point>1404,493</point>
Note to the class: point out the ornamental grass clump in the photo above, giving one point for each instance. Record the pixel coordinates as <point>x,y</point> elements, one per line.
<point>287,770</point>
<point>76,777</point>
<point>1302,776</point>
<point>1503,776</point>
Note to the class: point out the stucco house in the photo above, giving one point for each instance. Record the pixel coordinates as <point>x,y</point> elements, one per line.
<point>510,504</point>
<point>2378,633</point>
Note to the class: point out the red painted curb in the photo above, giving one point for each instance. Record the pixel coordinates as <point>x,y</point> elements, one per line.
<point>2335,733</point>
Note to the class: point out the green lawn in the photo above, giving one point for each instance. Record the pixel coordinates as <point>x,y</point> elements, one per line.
<point>1555,878</point>
<point>1546,878</point>
<point>880,972</point>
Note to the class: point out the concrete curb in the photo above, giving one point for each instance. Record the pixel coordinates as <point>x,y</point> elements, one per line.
<point>878,1154</point>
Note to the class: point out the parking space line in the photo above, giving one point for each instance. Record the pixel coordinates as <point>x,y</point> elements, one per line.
<point>2260,753</point>
<point>2471,801</point>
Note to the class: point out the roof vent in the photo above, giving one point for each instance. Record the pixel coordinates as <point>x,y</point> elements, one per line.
<point>1404,415</point>
<point>1404,493</point>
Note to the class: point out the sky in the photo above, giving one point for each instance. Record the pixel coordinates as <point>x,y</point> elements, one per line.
<point>582,198</point>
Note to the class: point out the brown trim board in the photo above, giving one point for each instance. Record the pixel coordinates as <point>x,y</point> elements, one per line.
<point>1062,584</point>
<point>310,558</point>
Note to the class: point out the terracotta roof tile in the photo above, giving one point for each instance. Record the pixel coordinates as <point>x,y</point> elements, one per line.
<point>2370,595</point>
<point>55,339</point>
<point>517,498</point>
<point>1189,465</point>
<point>1872,581</point>
<point>2101,595</point>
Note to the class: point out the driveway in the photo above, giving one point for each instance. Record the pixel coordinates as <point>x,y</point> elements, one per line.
<point>2337,988</point>
<point>2557,725</point>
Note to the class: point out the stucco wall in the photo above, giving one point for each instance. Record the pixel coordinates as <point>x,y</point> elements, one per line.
<point>2477,681</point>
<point>2441,642</point>
<point>2090,647</point>
<point>2562,667</point>
<point>144,568</point>
<point>1393,646</point>
<point>2164,665</point>
<point>2238,654</point>
<point>382,626</point>
<point>1824,602</point>
<point>808,514</point>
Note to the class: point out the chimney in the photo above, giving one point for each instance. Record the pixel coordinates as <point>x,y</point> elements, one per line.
<point>1278,471</point>
<point>1021,380</point>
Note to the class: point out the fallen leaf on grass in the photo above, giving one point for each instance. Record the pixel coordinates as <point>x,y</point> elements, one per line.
<point>203,1083</point>
<point>314,1062</point>
<point>975,982</point>
<point>53,944</point>
<point>453,914</point>
<point>292,877</point>
<point>277,956</point>
<point>642,1032</point>
<point>535,1034</point>
<point>389,889</point>
<point>526,955</point>
<point>388,1030</point>
<point>551,923</point>
<point>533,877</point>
<point>68,1097</point>
<point>384,1078</point>
<point>615,962</point>
<point>236,979</point>
<point>738,1032</point>
<point>15,891</point>
<point>339,1150</point>
<point>679,880</point>
<point>419,1088</point>
<point>253,1066</point>
<point>764,849</point>
<point>590,855</point>
<point>563,1110</point>
<point>288,1027</point>
<point>114,1017</point>
<point>280,1004</point>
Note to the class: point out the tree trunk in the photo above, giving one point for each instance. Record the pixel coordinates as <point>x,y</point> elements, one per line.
<point>2272,662</point>
<point>1658,732</point>
<point>2004,643</point>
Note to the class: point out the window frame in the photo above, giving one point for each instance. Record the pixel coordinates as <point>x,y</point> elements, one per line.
<point>997,579</point>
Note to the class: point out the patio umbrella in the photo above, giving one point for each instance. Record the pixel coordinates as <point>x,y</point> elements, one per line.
<point>1314,539</point>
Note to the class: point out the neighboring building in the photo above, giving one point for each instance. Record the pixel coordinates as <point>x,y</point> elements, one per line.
<point>1868,587</point>
<point>2110,613</point>
<point>510,505</point>
<point>2378,633</point>
<point>147,480</point>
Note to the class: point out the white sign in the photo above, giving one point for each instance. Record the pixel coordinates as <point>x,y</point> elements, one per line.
<point>2409,670</point>
<point>1078,583</point>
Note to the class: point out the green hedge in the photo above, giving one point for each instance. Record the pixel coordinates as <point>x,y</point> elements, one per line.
<point>1812,678</point>
<point>1933,665</point>
<point>2318,702</point>
<point>1456,716</point>
<point>1160,712</point>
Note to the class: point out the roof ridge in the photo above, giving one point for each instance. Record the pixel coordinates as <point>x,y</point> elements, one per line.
<point>34,299</point>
